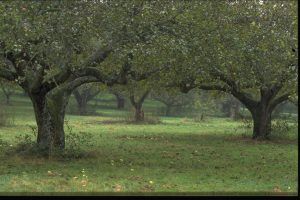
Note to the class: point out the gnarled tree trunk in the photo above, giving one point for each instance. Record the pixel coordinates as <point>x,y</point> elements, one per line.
<point>261,121</point>
<point>120,101</point>
<point>261,110</point>
<point>139,113</point>
<point>234,110</point>
<point>81,104</point>
<point>83,95</point>
<point>82,101</point>
<point>49,111</point>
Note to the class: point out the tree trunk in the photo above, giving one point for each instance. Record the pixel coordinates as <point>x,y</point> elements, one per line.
<point>50,113</point>
<point>139,113</point>
<point>81,102</point>
<point>120,102</point>
<point>261,122</point>
<point>234,110</point>
<point>82,107</point>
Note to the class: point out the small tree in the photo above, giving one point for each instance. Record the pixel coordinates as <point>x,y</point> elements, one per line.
<point>119,94</point>
<point>137,103</point>
<point>171,98</point>
<point>231,107</point>
<point>84,94</point>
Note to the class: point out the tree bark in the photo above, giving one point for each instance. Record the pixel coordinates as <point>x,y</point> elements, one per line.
<point>139,113</point>
<point>82,106</point>
<point>83,96</point>
<point>261,121</point>
<point>49,111</point>
<point>234,110</point>
<point>120,101</point>
<point>81,102</point>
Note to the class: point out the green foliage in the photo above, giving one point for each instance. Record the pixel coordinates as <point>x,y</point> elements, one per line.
<point>25,144</point>
<point>281,127</point>
<point>76,143</point>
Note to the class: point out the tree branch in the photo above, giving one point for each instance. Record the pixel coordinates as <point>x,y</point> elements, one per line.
<point>279,100</point>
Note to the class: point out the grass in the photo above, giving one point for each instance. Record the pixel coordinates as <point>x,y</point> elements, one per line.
<point>177,155</point>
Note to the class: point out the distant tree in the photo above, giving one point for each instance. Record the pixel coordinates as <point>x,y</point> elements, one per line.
<point>137,92</point>
<point>8,89</point>
<point>120,100</point>
<point>231,107</point>
<point>171,98</point>
<point>84,94</point>
<point>137,102</point>
<point>119,94</point>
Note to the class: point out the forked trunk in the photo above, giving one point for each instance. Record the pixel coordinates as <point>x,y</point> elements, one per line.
<point>234,110</point>
<point>50,113</point>
<point>82,107</point>
<point>139,113</point>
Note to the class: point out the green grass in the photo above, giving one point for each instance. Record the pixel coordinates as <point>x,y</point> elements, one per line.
<point>177,155</point>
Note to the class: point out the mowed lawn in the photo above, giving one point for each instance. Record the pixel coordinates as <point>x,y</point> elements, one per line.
<point>177,155</point>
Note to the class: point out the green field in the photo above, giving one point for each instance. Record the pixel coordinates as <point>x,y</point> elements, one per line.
<point>176,155</point>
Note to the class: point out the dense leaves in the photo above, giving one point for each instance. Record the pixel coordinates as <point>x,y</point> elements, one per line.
<point>246,48</point>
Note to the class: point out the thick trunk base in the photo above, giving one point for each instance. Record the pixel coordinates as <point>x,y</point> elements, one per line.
<point>139,115</point>
<point>50,113</point>
<point>261,123</point>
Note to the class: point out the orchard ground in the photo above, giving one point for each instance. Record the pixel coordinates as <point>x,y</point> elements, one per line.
<point>176,155</point>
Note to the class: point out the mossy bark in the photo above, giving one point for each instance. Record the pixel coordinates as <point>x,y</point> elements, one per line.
<point>49,111</point>
<point>261,121</point>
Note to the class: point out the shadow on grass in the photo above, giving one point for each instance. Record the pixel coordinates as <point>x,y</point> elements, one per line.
<point>273,140</point>
<point>156,147</point>
<point>205,138</point>
<point>124,121</point>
